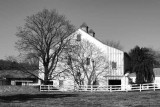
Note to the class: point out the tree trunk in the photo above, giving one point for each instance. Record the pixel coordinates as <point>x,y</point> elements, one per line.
<point>46,74</point>
<point>89,82</point>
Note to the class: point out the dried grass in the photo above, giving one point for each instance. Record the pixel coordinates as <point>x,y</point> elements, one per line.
<point>80,99</point>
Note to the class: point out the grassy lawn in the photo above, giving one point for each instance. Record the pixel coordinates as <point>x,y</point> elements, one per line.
<point>78,99</point>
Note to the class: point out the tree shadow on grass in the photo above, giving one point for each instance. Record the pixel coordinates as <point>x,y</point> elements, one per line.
<point>27,97</point>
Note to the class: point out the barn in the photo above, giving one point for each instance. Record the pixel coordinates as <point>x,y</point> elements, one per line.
<point>117,61</point>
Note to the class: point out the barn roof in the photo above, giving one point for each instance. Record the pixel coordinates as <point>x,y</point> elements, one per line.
<point>95,40</point>
<point>17,74</point>
<point>157,72</point>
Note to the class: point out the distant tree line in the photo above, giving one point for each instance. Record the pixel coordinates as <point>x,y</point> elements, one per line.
<point>13,65</point>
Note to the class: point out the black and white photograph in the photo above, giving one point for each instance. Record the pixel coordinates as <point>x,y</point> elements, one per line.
<point>79,53</point>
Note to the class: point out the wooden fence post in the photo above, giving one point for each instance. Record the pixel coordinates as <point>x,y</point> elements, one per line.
<point>91,88</point>
<point>140,87</point>
<point>111,89</point>
<point>126,88</point>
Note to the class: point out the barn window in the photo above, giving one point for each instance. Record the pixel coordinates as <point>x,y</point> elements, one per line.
<point>114,65</point>
<point>18,83</point>
<point>49,82</point>
<point>69,60</point>
<point>78,37</point>
<point>60,83</point>
<point>88,61</point>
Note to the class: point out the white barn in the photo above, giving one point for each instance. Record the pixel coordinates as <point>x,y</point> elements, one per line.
<point>115,73</point>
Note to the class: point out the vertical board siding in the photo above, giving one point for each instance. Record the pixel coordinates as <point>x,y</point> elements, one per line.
<point>114,55</point>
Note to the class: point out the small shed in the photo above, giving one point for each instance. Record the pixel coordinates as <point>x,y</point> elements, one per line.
<point>17,77</point>
<point>156,73</point>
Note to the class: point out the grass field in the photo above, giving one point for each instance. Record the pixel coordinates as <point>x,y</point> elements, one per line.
<point>79,99</point>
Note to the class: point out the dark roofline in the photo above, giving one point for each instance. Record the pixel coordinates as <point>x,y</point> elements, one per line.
<point>16,74</point>
<point>99,40</point>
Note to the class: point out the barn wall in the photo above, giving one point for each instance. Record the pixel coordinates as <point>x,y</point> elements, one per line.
<point>127,63</point>
<point>113,55</point>
<point>157,81</point>
<point>41,70</point>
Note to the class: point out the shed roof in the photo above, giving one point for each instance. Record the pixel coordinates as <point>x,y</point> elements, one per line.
<point>17,74</point>
<point>155,70</point>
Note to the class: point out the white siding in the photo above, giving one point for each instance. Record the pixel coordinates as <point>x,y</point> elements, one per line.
<point>114,55</point>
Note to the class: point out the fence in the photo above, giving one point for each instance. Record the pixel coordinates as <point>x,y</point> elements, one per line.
<point>100,88</point>
<point>109,88</point>
<point>57,88</point>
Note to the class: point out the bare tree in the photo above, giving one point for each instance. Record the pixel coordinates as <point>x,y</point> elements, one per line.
<point>31,59</point>
<point>11,58</point>
<point>113,44</point>
<point>43,34</point>
<point>85,62</point>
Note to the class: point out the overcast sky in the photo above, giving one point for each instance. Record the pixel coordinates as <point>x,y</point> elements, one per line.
<point>131,22</point>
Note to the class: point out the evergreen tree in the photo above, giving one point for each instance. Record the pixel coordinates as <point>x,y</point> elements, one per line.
<point>142,61</point>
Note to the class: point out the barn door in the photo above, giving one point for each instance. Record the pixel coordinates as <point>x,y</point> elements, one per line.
<point>114,82</point>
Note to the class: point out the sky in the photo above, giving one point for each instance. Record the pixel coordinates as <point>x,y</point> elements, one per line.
<point>131,22</point>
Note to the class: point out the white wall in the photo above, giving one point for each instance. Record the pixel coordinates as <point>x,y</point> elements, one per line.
<point>133,79</point>
<point>112,54</point>
<point>157,81</point>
